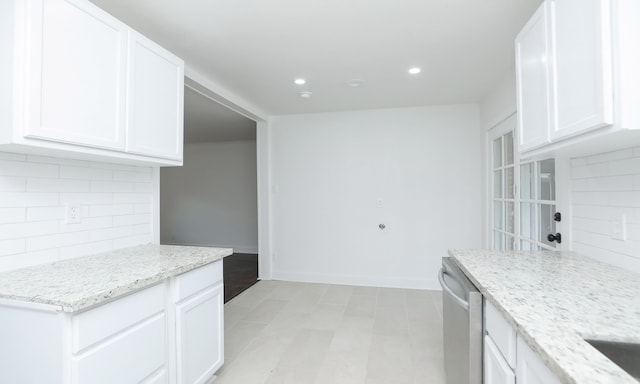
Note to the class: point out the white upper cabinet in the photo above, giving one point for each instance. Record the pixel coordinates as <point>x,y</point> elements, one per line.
<point>76,80</point>
<point>572,75</point>
<point>581,38</point>
<point>85,85</point>
<point>533,81</point>
<point>155,93</point>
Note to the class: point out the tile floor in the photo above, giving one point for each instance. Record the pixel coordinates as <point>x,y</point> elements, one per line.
<point>299,333</point>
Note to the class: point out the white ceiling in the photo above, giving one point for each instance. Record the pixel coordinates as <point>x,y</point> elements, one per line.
<point>256,48</point>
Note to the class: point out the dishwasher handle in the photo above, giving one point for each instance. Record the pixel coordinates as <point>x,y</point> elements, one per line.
<point>464,304</point>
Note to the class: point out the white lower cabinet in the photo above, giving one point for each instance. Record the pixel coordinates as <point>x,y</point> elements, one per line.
<point>199,335</point>
<point>530,367</point>
<point>507,357</point>
<point>168,333</point>
<point>496,369</point>
<point>199,324</point>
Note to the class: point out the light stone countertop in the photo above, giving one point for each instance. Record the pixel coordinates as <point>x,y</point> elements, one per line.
<point>79,283</point>
<point>554,300</point>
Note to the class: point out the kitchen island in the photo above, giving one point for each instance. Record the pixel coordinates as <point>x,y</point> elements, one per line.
<point>131,315</point>
<point>556,300</point>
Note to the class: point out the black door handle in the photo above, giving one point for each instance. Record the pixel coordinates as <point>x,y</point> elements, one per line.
<point>557,237</point>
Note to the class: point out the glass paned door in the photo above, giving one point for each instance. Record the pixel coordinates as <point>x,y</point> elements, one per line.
<point>503,193</point>
<point>523,198</point>
<point>537,204</point>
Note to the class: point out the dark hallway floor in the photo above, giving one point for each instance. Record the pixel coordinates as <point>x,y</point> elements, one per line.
<point>240,272</point>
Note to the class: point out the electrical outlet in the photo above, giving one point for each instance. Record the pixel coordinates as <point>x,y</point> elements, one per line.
<point>73,214</point>
<point>619,228</point>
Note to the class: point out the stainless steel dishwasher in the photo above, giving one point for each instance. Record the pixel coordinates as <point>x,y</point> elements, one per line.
<point>462,325</point>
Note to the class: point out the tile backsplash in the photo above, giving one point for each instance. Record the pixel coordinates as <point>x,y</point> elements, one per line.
<point>605,204</point>
<point>115,201</point>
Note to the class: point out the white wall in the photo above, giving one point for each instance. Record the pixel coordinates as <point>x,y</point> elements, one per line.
<point>500,103</point>
<point>116,203</point>
<point>604,188</point>
<point>329,170</point>
<point>212,199</point>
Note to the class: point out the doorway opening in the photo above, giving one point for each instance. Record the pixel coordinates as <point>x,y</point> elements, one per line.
<point>211,200</point>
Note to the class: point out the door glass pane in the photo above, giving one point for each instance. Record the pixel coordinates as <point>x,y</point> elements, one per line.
<point>546,184</point>
<point>526,246</point>
<point>508,183</point>
<point>526,181</point>
<point>497,184</point>
<point>547,224</point>
<point>497,215</point>
<point>497,152</point>
<point>508,148</point>
<point>510,218</point>
<point>497,241</point>
<point>509,244</point>
<point>527,221</point>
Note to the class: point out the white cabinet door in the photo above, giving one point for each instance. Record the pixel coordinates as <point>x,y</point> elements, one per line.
<point>533,81</point>
<point>155,100</point>
<point>496,369</point>
<point>581,39</point>
<point>76,64</point>
<point>200,335</point>
<point>530,367</point>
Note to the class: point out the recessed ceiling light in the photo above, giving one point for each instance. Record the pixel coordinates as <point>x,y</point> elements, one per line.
<point>305,94</point>
<point>414,70</point>
<point>300,81</point>
<point>355,83</point>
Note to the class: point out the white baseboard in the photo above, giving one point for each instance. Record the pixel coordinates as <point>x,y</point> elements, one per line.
<point>236,248</point>
<point>430,283</point>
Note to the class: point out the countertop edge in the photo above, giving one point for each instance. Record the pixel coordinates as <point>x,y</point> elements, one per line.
<point>123,288</point>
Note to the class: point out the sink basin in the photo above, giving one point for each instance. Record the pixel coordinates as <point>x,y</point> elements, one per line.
<point>625,355</point>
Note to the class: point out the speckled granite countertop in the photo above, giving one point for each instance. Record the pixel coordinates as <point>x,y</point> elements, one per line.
<point>555,300</point>
<point>75,284</point>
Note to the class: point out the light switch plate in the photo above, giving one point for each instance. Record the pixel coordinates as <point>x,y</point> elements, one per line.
<point>619,228</point>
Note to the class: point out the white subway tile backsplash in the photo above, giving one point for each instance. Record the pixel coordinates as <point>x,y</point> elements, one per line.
<point>12,184</point>
<point>111,210</point>
<point>12,156</point>
<point>604,189</point>
<point>116,202</point>
<point>131,241</point>
<point>131,219</point>
<point>111,233</point>
<point>21,260</point>
<point>112,186</point>
<point>142,229</point>
<point>88,224</point>
<point>28,199</point>
<point>28,229</point>
<point>82,173</point>
<point>87,249</point>
<point>121,198</point>
<point>86,198</point>
<point>45,213</point>
<point>132,176</point>
<point>12,215</point>
<point>58,240</point>
<point>610,156</point>
<point>11,247</point>
<point>143,208</point>
<point>57,160</point>
<point>57,185</point>
<point>21,168</point>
